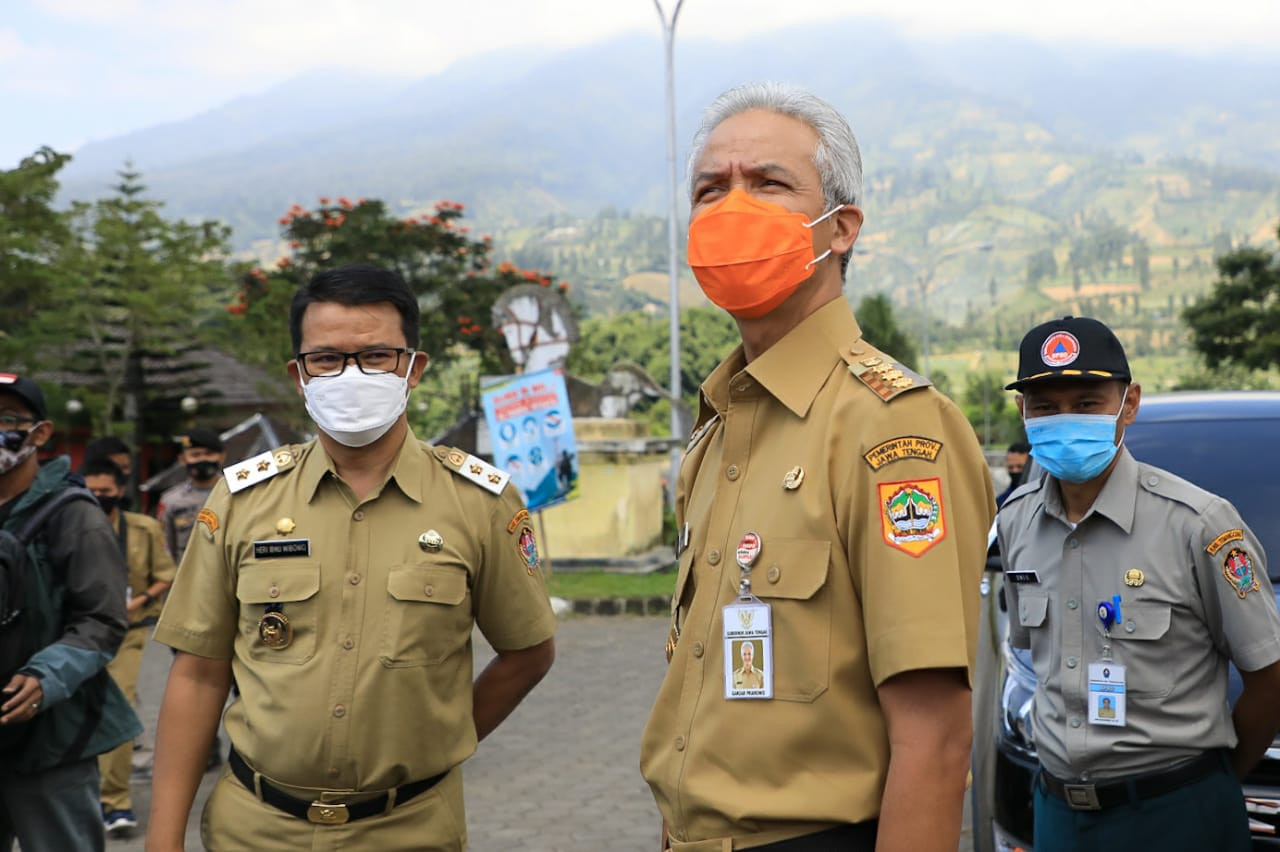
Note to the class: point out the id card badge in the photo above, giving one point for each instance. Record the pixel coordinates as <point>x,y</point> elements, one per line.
<point>748,649</point>
<point>1106,694</point>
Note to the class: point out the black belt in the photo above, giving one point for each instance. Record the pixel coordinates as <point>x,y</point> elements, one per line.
<point>854,837</point>
<point>1096,797</point>
<point>325,813</point>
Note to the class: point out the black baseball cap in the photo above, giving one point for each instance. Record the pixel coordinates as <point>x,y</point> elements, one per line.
<point>28,391</point>
<point>205,438</point>
<point>1070,348</point>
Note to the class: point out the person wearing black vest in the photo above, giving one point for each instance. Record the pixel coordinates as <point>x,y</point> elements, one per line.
<point>60,709</point>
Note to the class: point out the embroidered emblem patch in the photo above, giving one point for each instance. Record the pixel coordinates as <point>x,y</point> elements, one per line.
<point>1060,349</point>
<point>911,515</point>
<point>1237,568</point>
<point>209,518</point>
<point>529,550</point>
<point>1223,540</point>
<point>906,447</point>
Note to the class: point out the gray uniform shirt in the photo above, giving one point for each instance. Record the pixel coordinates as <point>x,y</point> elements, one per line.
<point>1202,599</point>
<point>177,515</point>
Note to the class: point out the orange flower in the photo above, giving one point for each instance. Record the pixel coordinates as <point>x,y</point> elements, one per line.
<point>324,200</point>
<point>530,275</point>
<point>283,220</point>
<point>295,244</point>
<point>284,263</point>
<point>475,329</point>
<point>564,286</point>
<point>345,202</point>
<point>506,266</point>
<point>434,220</point>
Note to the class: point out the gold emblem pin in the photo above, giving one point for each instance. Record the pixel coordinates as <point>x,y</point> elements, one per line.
<point>431,541</point>
<point>794,477</point>
<point>456,458</point>
<point>283,458</point>
<point>275,631</point>
<point>284,526</point>
<point>1134,577</point>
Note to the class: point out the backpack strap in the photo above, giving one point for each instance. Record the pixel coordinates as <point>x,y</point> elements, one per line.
<point>46,510</point>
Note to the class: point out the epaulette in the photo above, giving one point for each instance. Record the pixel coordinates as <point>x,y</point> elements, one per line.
<point>263,466</point>
<point>886,377</point>
<point>476,470</point>
<point>1174,488</point>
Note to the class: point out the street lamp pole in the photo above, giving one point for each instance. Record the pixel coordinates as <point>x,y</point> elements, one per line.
<point>669,42</point>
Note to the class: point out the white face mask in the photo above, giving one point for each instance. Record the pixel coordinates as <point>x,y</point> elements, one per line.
<point>354,408</point>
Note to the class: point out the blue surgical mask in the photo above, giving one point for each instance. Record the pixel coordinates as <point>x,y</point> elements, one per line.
<point>1074,447</point>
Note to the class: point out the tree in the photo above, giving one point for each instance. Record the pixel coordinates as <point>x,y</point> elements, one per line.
<point>880,329</point>
<point>33,237</point>
<point>1238,322</point>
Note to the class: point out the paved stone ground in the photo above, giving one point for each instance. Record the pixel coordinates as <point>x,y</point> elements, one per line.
<point>561,774</point>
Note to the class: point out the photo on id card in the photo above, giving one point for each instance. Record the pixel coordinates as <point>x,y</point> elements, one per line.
<point>748,651</point>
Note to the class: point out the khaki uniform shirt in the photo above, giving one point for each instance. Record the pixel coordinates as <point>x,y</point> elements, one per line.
<point>855,597</point>
<point>373,690</point>
<point>748,680</point>
<point>177,515</point>
<point>1168,549</point>
<point>148,559</point>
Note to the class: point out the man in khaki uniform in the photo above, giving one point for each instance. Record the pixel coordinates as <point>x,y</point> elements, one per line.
<point>852,498</point>
<point>748,676</point>
<point>1134,590</point>
<point>151,572</point>
<point>339,582</point>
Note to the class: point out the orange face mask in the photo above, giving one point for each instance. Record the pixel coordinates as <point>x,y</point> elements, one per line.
<point>750,255</point>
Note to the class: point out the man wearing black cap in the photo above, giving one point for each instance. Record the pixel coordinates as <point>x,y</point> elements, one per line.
<point>204,457</point>
<point>1134,590</point>
<point>59,708</point>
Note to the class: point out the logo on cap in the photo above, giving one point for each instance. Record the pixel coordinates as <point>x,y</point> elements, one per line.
<point>1060,349</point>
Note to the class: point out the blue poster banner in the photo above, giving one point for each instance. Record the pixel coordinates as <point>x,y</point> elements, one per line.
<point>532,434</point>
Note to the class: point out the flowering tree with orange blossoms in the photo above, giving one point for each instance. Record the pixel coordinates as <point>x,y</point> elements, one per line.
<point>451,272</point>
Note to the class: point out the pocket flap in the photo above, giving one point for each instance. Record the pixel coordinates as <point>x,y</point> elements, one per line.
<point>791,568</point>
<point>1032,609</point>
<point>269,582</point>
<point>438,584</point>
<point>1143,621</point>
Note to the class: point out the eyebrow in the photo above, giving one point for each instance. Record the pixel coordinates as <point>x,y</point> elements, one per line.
<point>757,170</point>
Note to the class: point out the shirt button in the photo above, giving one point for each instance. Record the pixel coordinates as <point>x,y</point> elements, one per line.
<point>274,591</point>
<point>1153,480</point>
<point>429,591</point>
<point>1071,662</point>
<point>1074,544</point>
<point>679,743</point>
<point>774,573</point>
<point>732,472</point>
<point>697,649</point>
<point>358,515</point>
<point>1086,775</point>
<point>1129,627</point>
<point>1075,721</point>
<point>1072,604</point>
<point>714,557</point>
<point>742,387</point>
<point>355,579</point>
<point>348,643</point>
<point>339,711</point>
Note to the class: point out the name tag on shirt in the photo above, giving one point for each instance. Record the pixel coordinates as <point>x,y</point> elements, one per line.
<point>1106,694</point>
<point>748,649</point>
<point>1022,576</point>
<point>281,547</point>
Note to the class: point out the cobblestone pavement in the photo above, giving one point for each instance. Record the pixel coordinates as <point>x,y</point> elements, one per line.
<point>560,775</point>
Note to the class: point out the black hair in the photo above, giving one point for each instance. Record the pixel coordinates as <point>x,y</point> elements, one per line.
<point>103,466</point>
<point>356,284</point>
<point>1020,447</point>
<point>107,445</point>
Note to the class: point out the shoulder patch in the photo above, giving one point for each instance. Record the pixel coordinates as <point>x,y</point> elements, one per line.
<point>475,469</point>
<point>209,518</point>
<point>912,518</point>
<point>906,447</point>
<point>1223,540</point>
<point>886,377</point>
<point>257,469</point>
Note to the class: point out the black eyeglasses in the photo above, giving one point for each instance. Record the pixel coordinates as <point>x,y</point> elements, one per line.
<point>9,422</point>
<point>325,363</point>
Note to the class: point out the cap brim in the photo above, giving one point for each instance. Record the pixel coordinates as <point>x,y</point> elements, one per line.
<point>1075,375</point>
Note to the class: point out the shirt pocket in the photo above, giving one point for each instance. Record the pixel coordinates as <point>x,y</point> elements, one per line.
<point>792,580</point>
<point>428,616</point>
<point>293,589</point>
<point>1033,616</point>
<point>1136,646</point>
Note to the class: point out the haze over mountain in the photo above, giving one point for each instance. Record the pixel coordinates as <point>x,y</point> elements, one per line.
<point>520,135</point>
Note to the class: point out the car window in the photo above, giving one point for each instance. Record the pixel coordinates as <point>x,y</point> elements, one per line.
<point>1232,458</point>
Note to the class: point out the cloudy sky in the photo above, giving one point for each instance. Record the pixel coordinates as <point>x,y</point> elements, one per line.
<point>72,71</point>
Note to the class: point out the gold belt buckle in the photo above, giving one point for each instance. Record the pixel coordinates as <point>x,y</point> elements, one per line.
<point>328,813</point>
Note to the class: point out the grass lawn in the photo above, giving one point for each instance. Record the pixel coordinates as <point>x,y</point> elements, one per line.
<point>602,584</point>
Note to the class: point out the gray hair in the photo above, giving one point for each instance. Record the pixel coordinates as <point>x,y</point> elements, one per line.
<point>837,158</point>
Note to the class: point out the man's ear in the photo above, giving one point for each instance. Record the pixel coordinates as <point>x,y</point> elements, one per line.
<point>1131,402</point>
<point>294,373</point>
<point>420,362</point>
<point>40,435</point>
<point>847,225</point>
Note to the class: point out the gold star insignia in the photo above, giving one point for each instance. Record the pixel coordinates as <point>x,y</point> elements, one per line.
<point>494,478</point>
<point>477,469</point>
<point>243,473</point>
<point>264,466</point>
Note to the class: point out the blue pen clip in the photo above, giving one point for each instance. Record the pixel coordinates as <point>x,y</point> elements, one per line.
<point>1106,614</point>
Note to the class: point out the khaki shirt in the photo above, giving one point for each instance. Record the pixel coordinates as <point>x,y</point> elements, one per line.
<point>148,559</point>
<point>855,597</point>
<point>374,688</point>
<point>177,515</point>
<point>753,679</point>
<point>1177,630</point>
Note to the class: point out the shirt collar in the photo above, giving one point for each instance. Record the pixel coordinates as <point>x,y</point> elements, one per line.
<point>1116,501</point>
<point>795,368</point>
<point>407,471</point>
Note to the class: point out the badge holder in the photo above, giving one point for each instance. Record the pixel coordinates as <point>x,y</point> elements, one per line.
<point>748,634</point>
<point>1107,678</point>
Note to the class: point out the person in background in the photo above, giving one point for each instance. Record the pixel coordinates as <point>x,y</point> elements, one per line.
<point>203,455</point>
<point>151,570</point>
<point>1015,462</point>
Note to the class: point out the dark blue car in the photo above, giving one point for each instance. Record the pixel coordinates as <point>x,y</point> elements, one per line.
<point>1225,442</point>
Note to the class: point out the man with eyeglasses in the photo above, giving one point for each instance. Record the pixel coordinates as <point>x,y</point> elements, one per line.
<point>59,708</point>
<point>339,582</point>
